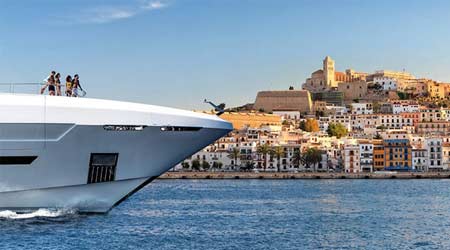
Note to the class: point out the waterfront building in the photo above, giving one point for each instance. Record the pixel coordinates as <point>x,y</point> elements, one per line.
<point>366,155</point>
<point>446,152</point>
<point>434,150</point>
<point>378,155</point>
<point>352,159</point>
<point>397,154</point>
<point>420,159</point>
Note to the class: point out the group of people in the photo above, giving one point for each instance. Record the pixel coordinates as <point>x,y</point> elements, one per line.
<point>53,83</point>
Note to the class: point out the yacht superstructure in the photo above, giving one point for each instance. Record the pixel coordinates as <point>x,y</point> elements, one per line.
<point>91,154</point>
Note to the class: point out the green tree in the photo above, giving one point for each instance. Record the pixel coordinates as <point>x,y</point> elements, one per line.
<point>277,152</point>
<point>216,165</point>
<point>263,150</point>
<point>234,155</point>
<point>337,129</point>
<point>312,156</point>
<point>185,165</point>
<point>302,125</point>
<point>297,158</point>
<point>249,165</point>
<point>205,165</point>
<point>195,165</point>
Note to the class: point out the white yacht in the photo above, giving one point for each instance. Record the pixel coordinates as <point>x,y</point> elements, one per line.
<point>91,154</point>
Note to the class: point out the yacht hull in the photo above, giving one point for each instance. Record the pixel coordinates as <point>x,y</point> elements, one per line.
<point>91,157</point>
<point>89,198</point>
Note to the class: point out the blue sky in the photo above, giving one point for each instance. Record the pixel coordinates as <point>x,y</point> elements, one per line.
<point>178,52</point>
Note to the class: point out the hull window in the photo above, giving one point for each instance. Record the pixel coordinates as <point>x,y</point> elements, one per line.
<point>17,160</point>
<point>172,128</point>
<point>102,167</point>
<point>123,127</point>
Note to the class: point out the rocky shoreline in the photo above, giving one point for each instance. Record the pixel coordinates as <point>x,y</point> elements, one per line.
<point>252,175</point>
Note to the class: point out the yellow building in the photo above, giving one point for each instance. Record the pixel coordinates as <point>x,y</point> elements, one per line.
<point>251,119</point>
<point>378,155</point>
<point>437,90</point>
<point>397,154</point>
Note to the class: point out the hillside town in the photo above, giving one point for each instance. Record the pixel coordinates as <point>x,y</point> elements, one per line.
<point>348,122</point>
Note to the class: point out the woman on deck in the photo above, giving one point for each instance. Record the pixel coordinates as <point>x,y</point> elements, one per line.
<point>75,85</point>
<point>69,85</point>
<point>58,83</point>
<point>50,83</point>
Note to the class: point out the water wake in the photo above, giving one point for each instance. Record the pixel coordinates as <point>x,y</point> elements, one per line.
<point>40,213</point>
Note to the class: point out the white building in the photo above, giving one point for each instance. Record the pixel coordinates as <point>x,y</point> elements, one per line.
<point>419,159</point>
<point>362,108</point>
<point>366,156</point>
<point>387,83</point>
<point>394,121</point>
<point>352,159</point>
<point>434,151</point>
<point>398,108</point>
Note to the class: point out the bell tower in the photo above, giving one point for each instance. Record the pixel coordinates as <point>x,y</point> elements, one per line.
<point>328,72</point>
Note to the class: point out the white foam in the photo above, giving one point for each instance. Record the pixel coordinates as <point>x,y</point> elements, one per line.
<point>8,214</point>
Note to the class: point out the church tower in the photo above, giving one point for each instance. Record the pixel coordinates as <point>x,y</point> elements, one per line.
<point>328,72</point>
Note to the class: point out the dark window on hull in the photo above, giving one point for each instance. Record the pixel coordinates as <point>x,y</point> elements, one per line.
<point>17,160</point>
<point>102,167</point>
<point>179,129</point>
<point>124,127</point>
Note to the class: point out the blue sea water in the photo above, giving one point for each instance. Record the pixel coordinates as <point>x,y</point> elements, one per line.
<point>250,214</point>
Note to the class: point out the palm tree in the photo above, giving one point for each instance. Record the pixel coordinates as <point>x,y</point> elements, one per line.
<point>312,156</point>
<point>316,158</point>
<point>277,152</point>
<point>234,154</point>
<point>297,158</point>
<point>263,150</point>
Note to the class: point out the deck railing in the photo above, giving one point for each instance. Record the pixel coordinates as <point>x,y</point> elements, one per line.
<point>34,88</point>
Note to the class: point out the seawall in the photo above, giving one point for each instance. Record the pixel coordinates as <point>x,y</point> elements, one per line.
<point>252,175</point>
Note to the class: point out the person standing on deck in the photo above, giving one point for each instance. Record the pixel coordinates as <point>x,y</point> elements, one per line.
<point>75,85</point>
<point>69,85</point>
<point>49,81</point>
<point>58,83</point>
